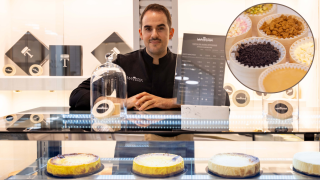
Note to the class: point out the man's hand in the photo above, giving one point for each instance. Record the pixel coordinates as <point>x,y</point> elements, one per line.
<point>147,101</point>
<point>131,102</point>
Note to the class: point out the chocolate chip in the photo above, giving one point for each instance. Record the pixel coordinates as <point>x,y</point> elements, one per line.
<point>257,54</point>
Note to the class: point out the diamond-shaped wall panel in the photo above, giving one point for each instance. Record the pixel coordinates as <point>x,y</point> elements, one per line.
<point>114,40</point>
<point>27,52</point>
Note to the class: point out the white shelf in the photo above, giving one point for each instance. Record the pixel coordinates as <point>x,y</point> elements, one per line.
<point>36,83</point>
<point>42,77</point>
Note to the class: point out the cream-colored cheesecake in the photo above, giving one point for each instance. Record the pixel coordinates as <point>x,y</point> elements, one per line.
<point>158,164</point>
<point>234,165</point>
<point>307,162</point>
<point>73,164</point>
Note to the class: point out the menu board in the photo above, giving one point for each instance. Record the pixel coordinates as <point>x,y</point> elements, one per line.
<point>200,70</point>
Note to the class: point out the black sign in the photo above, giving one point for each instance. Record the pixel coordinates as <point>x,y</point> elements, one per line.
<point>200,70</point>
<point>8,70</point>
<point>281,129</point>
<point>36,118</point>
<point>102,108</point>
<point>65,60</point>
<point>228,89</point>
<point>9,118</point>
<point>27,51</point>
<point>281,108</point>
<point>289,92</point>
<point>35,70</point>
<point>241,98</point>
<point>114,40</point>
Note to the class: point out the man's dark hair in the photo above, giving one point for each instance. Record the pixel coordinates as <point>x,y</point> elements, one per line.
<point>157,8</point>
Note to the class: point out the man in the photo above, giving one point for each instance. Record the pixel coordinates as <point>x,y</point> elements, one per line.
<point>154,66</point>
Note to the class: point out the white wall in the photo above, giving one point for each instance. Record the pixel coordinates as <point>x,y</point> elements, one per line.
<point>90,22</point>
<point>5,32</point>
<point>16,155</point>
<point>53,22</point>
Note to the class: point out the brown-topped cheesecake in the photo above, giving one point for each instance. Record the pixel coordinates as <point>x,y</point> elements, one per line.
<point>234,165</point>
<point>73,164</point>
<point>158,164</point>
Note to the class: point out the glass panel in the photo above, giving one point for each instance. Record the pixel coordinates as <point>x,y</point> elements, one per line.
<point>117,157</point>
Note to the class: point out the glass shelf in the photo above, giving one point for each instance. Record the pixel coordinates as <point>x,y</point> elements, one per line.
<point>63,120</point>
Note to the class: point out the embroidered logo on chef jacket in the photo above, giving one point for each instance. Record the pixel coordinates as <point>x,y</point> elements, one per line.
<point>134,79</point>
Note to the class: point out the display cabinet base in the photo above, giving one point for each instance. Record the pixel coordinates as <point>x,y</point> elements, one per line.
<point>300,172</point>
<point>160,176</point>
<point>71,177</point>
<point>231,177</point>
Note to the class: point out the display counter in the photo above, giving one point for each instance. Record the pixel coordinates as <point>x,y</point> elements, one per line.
<point>272,168</point>
<point>55,120</point>
<point>68,40</point>
<point>62,131</point>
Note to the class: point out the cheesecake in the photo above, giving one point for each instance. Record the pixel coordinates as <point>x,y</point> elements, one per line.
<point>75,164</point>
<point>307,162</point>
<point>158,165</point>
<point>234,165</point>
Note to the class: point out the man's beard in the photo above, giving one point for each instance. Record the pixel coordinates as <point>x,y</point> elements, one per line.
<point>159,50</point>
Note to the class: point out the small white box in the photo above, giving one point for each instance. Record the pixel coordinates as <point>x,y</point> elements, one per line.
<point>205,112</point>
<point>205,118</point>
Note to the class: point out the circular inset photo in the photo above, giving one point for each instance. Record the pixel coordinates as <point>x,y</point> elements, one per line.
<point>269,48</point>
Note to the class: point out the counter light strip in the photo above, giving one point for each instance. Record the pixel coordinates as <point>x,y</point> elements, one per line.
<point>192,159</point>
<point>194,177</point>
<point>116,177</point>
<point>134,116</point>
<point>177,122</point>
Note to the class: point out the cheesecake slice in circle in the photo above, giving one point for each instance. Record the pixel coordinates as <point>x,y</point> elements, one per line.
<point>158,165</point>
<point>75,164</point>
<point>234,165</point>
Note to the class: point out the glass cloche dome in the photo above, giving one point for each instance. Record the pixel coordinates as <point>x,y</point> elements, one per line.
<point>108,94</point>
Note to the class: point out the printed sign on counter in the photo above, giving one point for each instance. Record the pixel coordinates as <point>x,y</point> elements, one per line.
<point>200,70</point>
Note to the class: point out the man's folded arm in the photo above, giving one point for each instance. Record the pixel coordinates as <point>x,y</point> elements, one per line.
<point>80,97</point>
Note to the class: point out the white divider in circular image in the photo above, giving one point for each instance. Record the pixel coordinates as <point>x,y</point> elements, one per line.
<point>249,76</point>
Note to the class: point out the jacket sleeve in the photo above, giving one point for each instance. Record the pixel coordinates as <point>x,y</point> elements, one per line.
<point>80,97</point>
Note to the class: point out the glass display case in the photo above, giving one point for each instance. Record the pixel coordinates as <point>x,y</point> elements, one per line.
<point>36,123</point>
<point>60,131</point>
